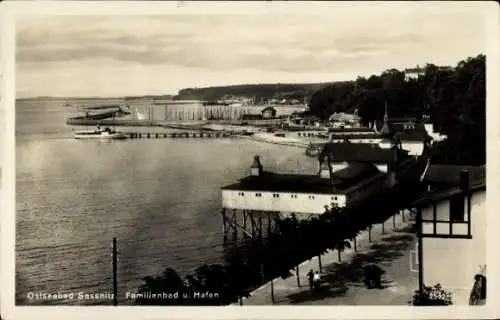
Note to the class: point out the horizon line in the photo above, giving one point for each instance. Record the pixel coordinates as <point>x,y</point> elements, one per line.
<point>176,94</point>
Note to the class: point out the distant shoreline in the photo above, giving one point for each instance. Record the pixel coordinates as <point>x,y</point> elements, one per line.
<point>94,98</point>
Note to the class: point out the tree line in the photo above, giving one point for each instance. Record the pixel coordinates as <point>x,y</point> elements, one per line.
<point>256,91</point>
<point>454,98</point>
<point>264,259</point>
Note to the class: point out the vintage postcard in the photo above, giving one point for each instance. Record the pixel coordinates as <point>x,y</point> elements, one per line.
<point>319,160</point>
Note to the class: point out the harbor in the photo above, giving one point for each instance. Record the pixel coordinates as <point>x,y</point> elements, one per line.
<point>203,168</point>
<point>162,213</point>
<point>251,220</point>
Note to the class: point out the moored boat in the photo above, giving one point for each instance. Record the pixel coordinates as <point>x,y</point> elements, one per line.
<point>313,150</point>
<point>99,133</point>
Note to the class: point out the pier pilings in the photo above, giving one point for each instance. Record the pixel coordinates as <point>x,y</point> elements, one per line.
<point>173,135</point>
<point>249,223</point>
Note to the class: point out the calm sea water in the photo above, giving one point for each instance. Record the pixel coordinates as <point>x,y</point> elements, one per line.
<point>159,198</point>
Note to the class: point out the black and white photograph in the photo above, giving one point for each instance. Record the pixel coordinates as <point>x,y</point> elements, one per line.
<point>256,158</point>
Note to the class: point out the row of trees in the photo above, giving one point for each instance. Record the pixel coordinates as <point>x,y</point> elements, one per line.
<point>265,259</point>
<point>454,98</point>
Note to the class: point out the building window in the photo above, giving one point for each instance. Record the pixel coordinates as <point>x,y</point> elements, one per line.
<point>258,194</point>
<point>241,193</point>
<point>276,195</point>
<point>335,198</point>
<point>311,197</point>
<point>457,209</point>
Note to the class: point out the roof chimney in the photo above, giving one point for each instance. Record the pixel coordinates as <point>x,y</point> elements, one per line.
<point>464,180</point>
<point>256,168</point>
<point>325,170</point>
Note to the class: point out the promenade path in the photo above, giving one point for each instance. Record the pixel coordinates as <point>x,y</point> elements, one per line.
<point>342,282</point>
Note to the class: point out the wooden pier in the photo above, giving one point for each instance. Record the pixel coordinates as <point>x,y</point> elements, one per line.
<point>172,135</point>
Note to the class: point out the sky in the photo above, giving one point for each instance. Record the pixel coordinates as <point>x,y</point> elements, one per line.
<point>140,55</point>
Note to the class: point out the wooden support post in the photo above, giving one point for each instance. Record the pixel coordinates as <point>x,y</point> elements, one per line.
<point>115,282</point>
<point>370,233</point>
<point>224,223</point>
<point>269,227</point>
<point>383,227</point>
<point>252,224</point>
<point>277,222</point>
<point>355,244</point>
<point>234,225</point>
<point>260,226</point>
<point>244,219</point>
<point>394,222</point>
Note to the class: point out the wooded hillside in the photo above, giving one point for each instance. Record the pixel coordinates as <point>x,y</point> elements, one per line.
<point>259,91</point>
<point>454,97</point>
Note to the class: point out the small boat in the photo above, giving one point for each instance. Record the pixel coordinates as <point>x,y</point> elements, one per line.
<point>313,150</point>
<point>99,133</point>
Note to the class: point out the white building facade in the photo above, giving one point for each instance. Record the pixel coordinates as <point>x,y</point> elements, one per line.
<point>452,238</point>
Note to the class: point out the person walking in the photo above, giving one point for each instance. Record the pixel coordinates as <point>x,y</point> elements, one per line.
<point>310,276</point>
<point>316,280</point>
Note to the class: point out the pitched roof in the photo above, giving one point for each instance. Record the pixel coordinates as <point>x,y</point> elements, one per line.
<point>341,181</point>
<point>404,132</point>
<point>355,171</point>
<point>269,181</point>
<point>341,116</point>
<point>433,197</point>
<point>358,152</point>
<point>411,136</point>
<point>450,174</point>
